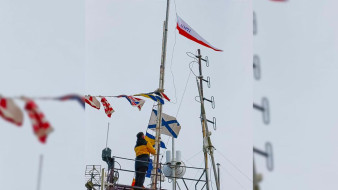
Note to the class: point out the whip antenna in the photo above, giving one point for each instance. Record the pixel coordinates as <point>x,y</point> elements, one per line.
<point>107,135</point>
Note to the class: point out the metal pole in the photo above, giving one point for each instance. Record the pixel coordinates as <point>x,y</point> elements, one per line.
<point>173,161</point>
<point>205,127</point>
<point>107,135</point>
<point>200,85</point>
<point>161,89</point>
<point>102,179</point>
<point>218,176</point>
<point>255,180</point>
<point>40,172</point>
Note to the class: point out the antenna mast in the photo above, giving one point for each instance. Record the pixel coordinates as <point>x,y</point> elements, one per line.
<point>207,145</point>
<point>160,89</point>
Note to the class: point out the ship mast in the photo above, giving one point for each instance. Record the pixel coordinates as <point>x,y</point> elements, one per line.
<point>160,89</point>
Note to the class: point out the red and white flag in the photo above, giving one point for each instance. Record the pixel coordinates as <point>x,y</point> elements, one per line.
<point>92,101</point>
<point>10,111</point>
<point>135,102</point>
<point>107,108</point>
<point>41,127</point>
<point>185,30</point>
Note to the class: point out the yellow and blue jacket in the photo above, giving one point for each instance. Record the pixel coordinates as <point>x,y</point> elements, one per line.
<point>143,147</point>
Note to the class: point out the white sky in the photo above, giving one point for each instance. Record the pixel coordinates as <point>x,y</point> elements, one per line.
<point>297,45</point>
<point>41,54</point>
<point>111,48</point>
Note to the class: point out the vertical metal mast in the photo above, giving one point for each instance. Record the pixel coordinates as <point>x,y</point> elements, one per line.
<point>161,89</point>
<point>207,145</point>
<point>40,172</point>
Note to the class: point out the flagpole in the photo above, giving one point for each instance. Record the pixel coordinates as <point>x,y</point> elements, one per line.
<point>161,89</point>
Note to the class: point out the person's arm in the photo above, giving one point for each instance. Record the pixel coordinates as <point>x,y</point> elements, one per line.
<point>151,149</point>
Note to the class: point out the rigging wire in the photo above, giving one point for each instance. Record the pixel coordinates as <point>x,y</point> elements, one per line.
<point>240,171</point>
<point>195,175</point>
<point>185,88</point>
<point>194,155</point>
<point>171,64</point>
<point>239,183</point>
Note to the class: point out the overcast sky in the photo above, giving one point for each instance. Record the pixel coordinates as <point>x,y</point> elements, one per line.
<point>123,49</point>
<point>42,54</point>
<point>297,45</point>
<point>111,48</point>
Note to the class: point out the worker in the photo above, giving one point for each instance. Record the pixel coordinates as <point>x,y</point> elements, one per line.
<point>142,150</point>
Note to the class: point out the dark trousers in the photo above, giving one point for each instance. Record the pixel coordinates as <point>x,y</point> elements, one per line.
<point>140,176</point>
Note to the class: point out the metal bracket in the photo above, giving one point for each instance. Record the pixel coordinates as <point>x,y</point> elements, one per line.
<point>264,108</point>
<point>213,122</point>
<point>212,101</point>
<point>207,81</point>
<point>268,154</point>
<point>206,60</point>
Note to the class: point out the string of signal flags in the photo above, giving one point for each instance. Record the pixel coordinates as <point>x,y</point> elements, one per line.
<point>12,113</point>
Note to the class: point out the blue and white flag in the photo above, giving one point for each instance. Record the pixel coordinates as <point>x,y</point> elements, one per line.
<point>169,126</point>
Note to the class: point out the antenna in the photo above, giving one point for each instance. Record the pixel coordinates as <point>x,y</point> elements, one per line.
<point>208,148</point>
<point>40,172</point>
<point>107,135</point>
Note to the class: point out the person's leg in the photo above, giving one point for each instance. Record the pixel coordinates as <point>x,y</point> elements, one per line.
<point>142,175</point>
<point>137,177</point>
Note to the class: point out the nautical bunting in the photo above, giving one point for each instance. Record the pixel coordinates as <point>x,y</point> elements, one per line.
<point>169,124</point>
<point>136,102</point>
<point>162,95</point>
<point>150,168</point>
<point>41,126</point>
<point>152,96</point>
<point>107,108</point>
<point>185,30</point>
<point>151,139</point>
<point>92,101</point>
<point>78,98</point>
<point>10,111</point>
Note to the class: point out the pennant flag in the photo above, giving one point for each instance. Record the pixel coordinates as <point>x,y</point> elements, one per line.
<point>133,182</point>
<point>136,102</point>
<point>162,95</point>
<point>92,101</point>
<point>78,98</point>
<point>41,126</point>
<point>107,108</point>
<point>169,124</point>
<point>151,139</point>
<point>10,111</point>
<point>185,30</point>
<point>150,168</point>
<point>151,96</point>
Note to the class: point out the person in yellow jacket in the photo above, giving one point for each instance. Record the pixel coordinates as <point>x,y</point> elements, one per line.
<point>142,149</point>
